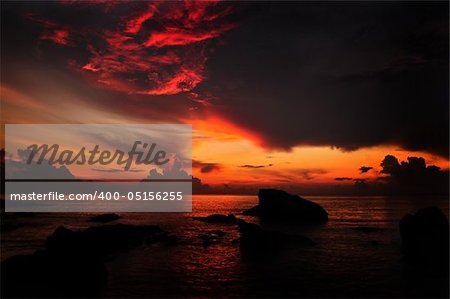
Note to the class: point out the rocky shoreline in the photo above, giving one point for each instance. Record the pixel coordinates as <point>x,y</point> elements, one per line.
<point>68,255</point>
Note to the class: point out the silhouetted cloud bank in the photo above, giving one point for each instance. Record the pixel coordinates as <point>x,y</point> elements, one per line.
<point>414,176</point>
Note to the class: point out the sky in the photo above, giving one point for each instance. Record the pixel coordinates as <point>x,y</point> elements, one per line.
<point>303,95</point>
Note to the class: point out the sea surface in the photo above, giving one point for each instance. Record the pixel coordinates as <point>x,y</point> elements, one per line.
<point>346,262</point>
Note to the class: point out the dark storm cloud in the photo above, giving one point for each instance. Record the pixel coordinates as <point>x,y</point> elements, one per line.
<point>348,74</point>
<point>343,179</point>
<point>364,169</point>
<point>151,48</point>
<point>255,166</point>
<point>411,177</point>
<point>414,176</point>
<point>206,167</point>
<point>138,59</point>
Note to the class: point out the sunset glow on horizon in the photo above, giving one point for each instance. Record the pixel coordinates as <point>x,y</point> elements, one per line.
<point>225,154</point>
<point>167,62</point>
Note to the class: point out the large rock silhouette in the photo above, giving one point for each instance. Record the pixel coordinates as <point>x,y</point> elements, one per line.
<point>278,205</point>
<point>425,240</point>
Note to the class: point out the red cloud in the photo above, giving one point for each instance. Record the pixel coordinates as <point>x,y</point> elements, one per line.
<point>58,36</point>
<point>52,31</point>
<point>160,50</point>
<point>134,25</point>
<point>180,37</point>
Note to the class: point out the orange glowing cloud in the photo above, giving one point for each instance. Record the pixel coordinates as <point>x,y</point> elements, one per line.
<point>219,128</point>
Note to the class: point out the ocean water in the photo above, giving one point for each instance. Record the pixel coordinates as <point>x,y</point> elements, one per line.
<point>345,262</point>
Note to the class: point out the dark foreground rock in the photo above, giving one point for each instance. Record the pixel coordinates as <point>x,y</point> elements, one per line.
<point>425,240</point>
<point>103,218</point>
<point>102,240</point>
<point>218,218</point>
<point>256,240</point>
<point>73,262</point>
<point>8,227</point>
<point>44,274</point>
<point>367,229</point>
<point>278,205</point>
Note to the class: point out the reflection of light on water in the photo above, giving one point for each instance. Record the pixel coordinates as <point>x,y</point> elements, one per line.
<point>344,259</point>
